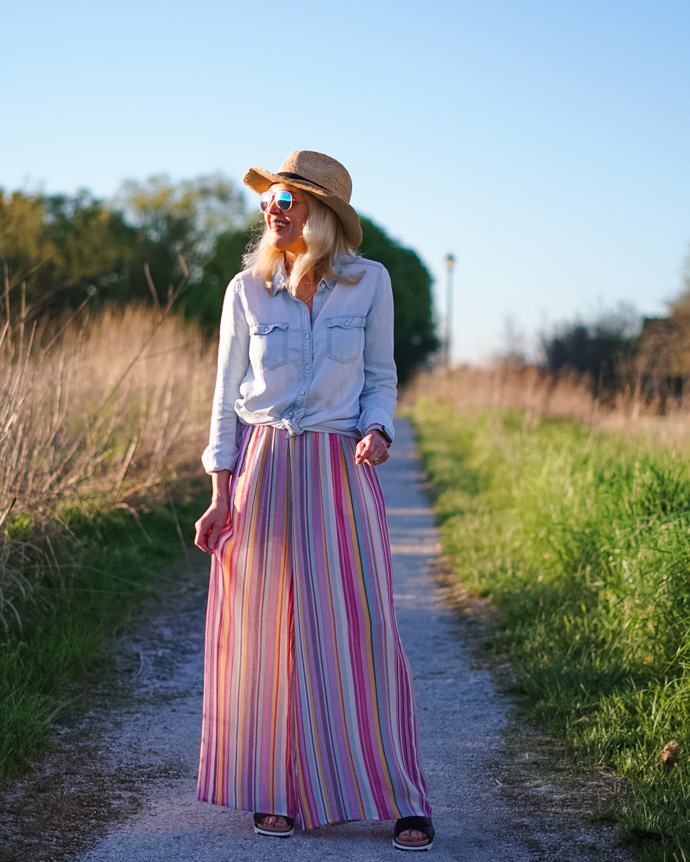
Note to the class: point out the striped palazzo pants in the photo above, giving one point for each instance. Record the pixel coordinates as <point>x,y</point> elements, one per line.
<point>308,703</point>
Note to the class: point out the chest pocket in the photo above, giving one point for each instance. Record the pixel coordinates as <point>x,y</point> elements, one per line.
<point>345,338</point>
<point>268,345</point>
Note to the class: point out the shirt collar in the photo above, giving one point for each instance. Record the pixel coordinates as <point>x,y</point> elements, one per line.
<point>338,265</point>
<point>280,279</point>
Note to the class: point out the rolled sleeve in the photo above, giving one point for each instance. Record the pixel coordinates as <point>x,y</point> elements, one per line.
<point>233,361</point>
<point>215,458</point>
<point>379,394</point>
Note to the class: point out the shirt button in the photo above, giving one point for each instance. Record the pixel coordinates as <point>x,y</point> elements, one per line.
<point>306,337</point>
<point>307,366</point>
<point>301,392</point>
<point>347,323</point>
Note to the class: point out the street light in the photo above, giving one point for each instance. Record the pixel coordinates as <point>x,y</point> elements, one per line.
<point>450,264</point>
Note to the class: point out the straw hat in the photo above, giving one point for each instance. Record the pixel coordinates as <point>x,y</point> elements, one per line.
<point>321,176</point>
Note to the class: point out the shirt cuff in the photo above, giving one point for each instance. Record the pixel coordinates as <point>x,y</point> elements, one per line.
<point>375,417</point>
<point>217,458</point>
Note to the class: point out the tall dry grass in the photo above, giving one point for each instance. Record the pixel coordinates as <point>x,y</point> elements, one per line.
<point>104,406</point>
<point>527,388</point>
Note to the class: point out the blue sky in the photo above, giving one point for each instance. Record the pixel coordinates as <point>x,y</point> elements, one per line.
<point>545,144</point>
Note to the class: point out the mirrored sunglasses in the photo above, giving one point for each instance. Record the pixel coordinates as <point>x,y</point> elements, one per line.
<point>284,200</point>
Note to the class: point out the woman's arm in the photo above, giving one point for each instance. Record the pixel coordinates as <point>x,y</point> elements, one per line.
<point>233,361</point>
<point>221,453</point>
<point>379,394</point>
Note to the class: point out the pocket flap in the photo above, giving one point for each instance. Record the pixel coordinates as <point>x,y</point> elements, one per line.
<point>349,322</point>
<point>265,328</point>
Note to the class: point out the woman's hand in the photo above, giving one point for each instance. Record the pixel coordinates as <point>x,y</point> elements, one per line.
<point>213,520</point>
<point>210,524</point>
<point>372,449</point>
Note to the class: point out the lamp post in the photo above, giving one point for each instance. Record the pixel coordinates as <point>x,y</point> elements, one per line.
<point>450,264</point>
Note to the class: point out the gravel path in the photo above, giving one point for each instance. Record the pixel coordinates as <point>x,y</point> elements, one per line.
<point>499,791</point>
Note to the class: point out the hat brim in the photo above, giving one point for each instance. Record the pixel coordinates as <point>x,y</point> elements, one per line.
<point>260,181</point>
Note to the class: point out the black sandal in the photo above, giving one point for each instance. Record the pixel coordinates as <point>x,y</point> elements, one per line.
<point>421,824</point>
<point>269,830</point>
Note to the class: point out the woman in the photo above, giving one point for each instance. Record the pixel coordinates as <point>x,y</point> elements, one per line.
<point>308,705</point>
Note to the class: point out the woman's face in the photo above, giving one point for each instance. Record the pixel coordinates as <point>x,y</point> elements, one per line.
<point>285,228</point>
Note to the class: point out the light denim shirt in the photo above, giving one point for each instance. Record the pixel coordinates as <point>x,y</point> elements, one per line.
<point>276,366</point>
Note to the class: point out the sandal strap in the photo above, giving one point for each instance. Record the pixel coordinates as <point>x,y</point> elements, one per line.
<point>423,824</point>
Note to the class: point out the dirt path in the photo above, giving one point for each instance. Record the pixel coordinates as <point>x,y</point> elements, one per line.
<point>124,786</point>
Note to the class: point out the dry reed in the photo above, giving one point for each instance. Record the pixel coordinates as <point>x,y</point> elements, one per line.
<point>118,400</point>
<point>569,396</point>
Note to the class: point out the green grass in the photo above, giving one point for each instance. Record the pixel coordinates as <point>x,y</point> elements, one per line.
<point>103,561</point>
<point>582,539</point>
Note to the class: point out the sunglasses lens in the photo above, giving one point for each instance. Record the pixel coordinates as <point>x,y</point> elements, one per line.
<point>284,200</point>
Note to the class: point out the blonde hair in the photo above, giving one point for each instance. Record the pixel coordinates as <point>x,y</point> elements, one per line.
<point>324,238</point>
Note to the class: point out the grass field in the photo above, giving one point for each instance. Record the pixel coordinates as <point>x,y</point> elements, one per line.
<point>106,559</point>
<point>581,539</point>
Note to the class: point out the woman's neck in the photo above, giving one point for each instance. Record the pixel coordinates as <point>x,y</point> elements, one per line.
<point>309,278</point>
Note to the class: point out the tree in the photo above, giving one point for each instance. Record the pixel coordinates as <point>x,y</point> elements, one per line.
<point>681,304</point>
<point>595,349</point>
<point>178,220</point>
<point>94,247</point>
<point>664,347</point>
<point>26,249</point>
<point>415,338</point>
<point>203,300</point>
<point>59,246</point>
<point>62,248</point>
